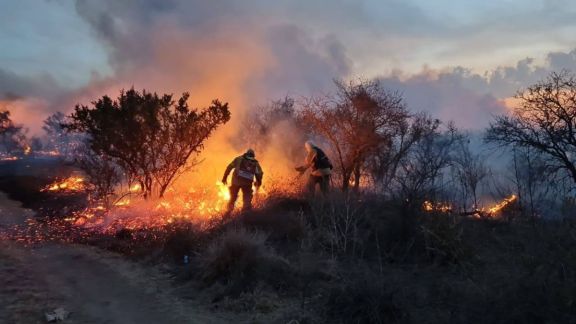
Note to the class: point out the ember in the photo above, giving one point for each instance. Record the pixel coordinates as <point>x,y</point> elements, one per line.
<point>439,207</point>
<point>134,212</point>
<point>504,203</point>
<point>9,158</point>
<point>70,184</point>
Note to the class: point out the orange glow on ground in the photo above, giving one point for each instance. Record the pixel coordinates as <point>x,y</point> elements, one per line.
<point>70,184</point>
<point>490,212</point>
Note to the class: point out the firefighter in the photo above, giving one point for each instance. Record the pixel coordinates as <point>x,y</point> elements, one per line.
<point>246,170</point>
<point>321,167</point>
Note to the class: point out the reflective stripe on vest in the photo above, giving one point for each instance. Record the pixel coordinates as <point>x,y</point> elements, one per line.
<point>246,169</point>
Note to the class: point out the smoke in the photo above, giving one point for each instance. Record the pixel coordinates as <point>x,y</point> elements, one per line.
<point>221,48</point>
<point>21,95</point>
<point>227,50</point>
<point>250,52</point>
<point>254,51</point>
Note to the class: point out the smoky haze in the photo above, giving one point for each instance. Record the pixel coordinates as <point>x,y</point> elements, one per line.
<point>218,50</point>
<point>251,52</point>
<point>248,53</point>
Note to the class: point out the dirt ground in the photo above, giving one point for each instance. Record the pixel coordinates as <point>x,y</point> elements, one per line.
<point>94,285</point>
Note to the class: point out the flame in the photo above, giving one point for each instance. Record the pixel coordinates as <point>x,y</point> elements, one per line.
<point>9,158</point>
<point>428,206</point>
<point>70,184</point>
<point>122,202</point>
<point>194,197</point>
<point>223,191</point>
<point>48,153</point>
<point>439,207</point>
<point>492,211</point>
<point>498,207</point>
<point>197,205</point>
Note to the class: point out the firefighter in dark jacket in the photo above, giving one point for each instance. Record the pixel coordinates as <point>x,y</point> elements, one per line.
<point>246,170</point>
<point>321,167</point>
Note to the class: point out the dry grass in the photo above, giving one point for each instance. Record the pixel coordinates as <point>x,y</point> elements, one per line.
<point>240,259</point>
<point>365,260</point>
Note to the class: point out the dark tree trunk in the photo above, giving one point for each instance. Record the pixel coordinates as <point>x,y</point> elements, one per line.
<point>345,180</point>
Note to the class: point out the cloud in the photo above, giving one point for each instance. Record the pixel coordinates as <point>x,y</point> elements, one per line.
<point>471,99</point>
<point>447,96</point>
<point>248,52</point>
<point>562,61</point>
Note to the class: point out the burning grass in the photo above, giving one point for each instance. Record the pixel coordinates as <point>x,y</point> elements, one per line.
<point>131,211</point>
<point>66,212</point>
<point>70,184</point>
<point>135,213</point>
<point>494,211</point>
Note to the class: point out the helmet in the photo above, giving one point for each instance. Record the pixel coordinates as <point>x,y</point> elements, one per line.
<point>250,153</point>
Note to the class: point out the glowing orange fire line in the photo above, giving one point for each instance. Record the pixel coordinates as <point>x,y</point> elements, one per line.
<point>445,208</point>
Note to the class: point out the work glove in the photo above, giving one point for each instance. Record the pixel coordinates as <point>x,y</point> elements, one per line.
<point>224,181</point>
<point>257,184</point>
<point>300,169</point>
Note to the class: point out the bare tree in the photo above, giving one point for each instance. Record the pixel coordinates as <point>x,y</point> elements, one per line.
<point>53,127</point>
<point>470,170</point>
<point>151,138</point>
<point>58,139</point>
<point>386,160</point>
<point>534,186</point>
<point>12,136</point>
<point>544,120</point>
<point>360,119</point>
<point>420,171</point>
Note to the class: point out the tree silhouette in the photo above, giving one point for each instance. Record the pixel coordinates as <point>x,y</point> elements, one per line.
<point>151,138</point>
<point>545,120</point>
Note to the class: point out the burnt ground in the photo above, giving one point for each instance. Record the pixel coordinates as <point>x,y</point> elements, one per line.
<point>22,180</point>
<point>95,285</point>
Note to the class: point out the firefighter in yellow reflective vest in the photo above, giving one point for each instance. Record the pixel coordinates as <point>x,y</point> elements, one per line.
<point>247,171</point>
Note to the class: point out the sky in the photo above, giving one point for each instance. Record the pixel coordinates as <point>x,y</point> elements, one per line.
<point>458,60</point>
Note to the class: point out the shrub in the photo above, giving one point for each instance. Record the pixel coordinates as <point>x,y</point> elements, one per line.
<point>335,223</point>
<point>240,259</point>
<point>182,240</point>
<point>442,239</point>
<point>363,298</point>
<point>281,225</point>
